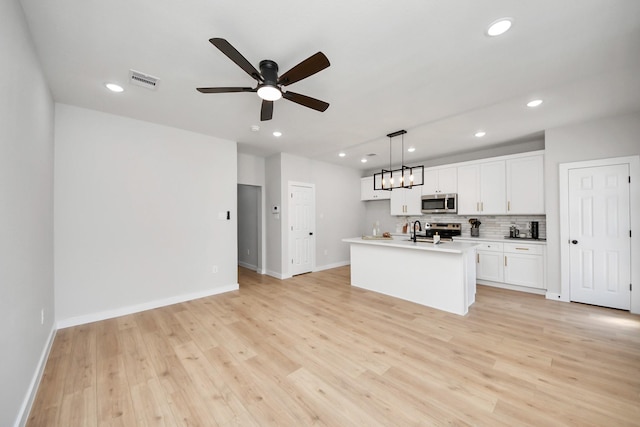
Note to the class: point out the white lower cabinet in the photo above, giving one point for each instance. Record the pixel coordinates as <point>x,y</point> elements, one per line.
<point>524,265</point>
<point>489,262</point>
<point>509,263</point>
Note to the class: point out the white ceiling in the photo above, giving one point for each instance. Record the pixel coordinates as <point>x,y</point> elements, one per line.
<point>421,65</point>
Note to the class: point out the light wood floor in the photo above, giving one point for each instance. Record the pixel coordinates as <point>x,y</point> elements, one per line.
<point>314,351</point>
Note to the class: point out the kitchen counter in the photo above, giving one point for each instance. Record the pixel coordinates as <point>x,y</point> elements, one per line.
<point>442,276</point>
<point>405,243</point>
<point>500,239</point>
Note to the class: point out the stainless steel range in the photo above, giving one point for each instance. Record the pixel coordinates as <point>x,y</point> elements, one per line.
<point>446,231</point>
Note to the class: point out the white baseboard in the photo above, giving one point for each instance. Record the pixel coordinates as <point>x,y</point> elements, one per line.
<point>555,296</point>
<point>247,265</point>
<point>276,275</point>
<point>512,287</point>
<point>110,314</point>
<point>25,409</point>
<point>334,265</point>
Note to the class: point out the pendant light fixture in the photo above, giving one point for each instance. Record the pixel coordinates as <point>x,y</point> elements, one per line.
<point>405,177</point>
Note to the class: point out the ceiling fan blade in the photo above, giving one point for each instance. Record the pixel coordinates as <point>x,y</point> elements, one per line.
<point>307,101</point>
<point>306,68</point>
<point>266,113</point>
<point>231,52</point>
<point>225,89</point>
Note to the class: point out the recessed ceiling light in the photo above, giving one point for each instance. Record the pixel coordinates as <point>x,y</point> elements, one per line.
<point>277,134</point>
<point>114,87</point>
<point>411,149</point>
<point>480,134</point>
<point>499,27</point>
<point>534,103</point>
<point>342,154</point>
<point>363,160</point>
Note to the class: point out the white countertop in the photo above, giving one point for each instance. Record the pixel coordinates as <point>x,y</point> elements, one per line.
<point>499,240</point>
<point>448,247</point>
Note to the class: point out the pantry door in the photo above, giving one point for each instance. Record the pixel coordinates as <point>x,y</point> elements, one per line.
<point>599,235</point>
<point>301,227</point>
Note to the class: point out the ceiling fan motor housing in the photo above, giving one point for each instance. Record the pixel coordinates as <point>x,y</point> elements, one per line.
<point>269,71</point>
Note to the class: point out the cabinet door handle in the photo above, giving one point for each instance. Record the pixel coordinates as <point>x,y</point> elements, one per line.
<point>522,249</point>
<point>505,260</point>
<point>478,206</point>
<point>478,258</point>
<point>481,206</point>
<point>508,206</point>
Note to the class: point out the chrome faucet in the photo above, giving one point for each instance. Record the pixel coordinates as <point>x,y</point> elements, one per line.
<point>414,230</point>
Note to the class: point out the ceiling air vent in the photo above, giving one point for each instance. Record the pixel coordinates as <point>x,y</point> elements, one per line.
<point>140,79</point>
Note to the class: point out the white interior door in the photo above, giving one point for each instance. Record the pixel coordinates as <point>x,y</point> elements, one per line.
<point>301,227</point>
<point>599,236</point>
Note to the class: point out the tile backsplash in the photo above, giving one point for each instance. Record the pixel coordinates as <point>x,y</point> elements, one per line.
<point>493,226</point>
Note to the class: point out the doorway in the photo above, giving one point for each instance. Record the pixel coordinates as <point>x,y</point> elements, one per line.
<point>595,209</point>
<point>250,227</point>
<point>302,207</point>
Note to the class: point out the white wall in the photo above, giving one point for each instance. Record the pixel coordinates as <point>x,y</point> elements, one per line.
<point>339,211</point>
<point>598,139</point>
<point>26,216</point>
<point>273,193</point>
<point>251,170</point>
<point>136,215</point>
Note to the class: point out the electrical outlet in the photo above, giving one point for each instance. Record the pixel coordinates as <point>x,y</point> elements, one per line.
<point>42,316</point>
<point>248,252</point>
<point>326,252</point>
<point>214,269</point>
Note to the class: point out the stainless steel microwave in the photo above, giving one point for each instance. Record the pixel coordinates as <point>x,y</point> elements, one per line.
<point>439,203</point>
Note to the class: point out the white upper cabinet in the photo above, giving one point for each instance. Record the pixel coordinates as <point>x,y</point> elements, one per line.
<point>482,189</point>
<point>368,193</point>
<point>406,201</point>
<point>525,185</point>
<point>440,180</point>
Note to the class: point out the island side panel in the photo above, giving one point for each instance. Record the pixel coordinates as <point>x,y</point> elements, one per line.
<point>431,278</point>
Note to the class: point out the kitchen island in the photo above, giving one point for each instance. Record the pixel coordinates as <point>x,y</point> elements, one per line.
<point>441,276</point>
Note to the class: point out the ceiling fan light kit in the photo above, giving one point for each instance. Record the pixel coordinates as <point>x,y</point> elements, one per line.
<point>269,86</point>
<point>405,177</point>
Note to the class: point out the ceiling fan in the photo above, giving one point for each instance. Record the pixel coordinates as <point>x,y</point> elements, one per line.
<point>269,86</point>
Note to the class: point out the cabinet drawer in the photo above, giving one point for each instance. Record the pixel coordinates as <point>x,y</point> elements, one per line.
<point>491,247</point>
<point>519,248</point>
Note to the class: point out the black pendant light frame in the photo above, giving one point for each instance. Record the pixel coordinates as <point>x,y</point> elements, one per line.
<point>412,172</point>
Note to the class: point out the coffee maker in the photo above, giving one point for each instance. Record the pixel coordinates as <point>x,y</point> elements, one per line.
<point>534,230</point>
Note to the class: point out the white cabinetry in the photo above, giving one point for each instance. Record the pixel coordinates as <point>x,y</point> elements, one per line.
<point>368,193</point>
<point>525,185</point>
<point>510,264</point>
<point>440,180</point>
<point>406,201</point>
<point>481,189</point>
<point>489,262</point>
<point>524,265</point>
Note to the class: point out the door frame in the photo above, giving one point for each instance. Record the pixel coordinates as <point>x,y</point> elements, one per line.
<point>313,225</point>
<point>634,210</point>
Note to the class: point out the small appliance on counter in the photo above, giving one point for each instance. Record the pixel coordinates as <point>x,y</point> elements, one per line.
<point>534,230</point>
<point>514,232</point>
